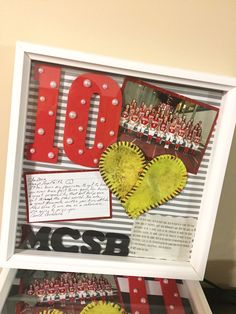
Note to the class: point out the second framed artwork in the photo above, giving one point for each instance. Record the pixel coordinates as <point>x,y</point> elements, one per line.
<point>111,168</point>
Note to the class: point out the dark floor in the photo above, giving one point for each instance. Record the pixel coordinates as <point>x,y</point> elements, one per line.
<point>221,301</point>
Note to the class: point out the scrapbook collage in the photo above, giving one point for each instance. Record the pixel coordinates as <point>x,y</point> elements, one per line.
<point>40,292</point>
<point>113,165</point>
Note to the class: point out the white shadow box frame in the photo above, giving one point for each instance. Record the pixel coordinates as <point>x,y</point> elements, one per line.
<point>193,269</point>
<point>193,289</point>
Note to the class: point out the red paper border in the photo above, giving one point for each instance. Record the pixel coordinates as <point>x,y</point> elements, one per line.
<point>66,171</point>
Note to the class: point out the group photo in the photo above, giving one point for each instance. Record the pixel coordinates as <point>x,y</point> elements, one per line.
<point>161,122</point>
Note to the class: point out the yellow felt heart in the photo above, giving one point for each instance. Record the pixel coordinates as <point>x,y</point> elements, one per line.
<point>162,179</point>
<point>141,187</point>
<point>120,166</point>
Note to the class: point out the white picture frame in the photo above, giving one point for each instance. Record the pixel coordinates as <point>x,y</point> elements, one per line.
<point>193,289</point>
<point>33,259</point>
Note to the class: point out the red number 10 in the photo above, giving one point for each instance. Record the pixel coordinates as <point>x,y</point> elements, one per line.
<point>77,116</point>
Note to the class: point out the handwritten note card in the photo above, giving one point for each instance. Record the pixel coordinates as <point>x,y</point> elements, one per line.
<point>67,196</point>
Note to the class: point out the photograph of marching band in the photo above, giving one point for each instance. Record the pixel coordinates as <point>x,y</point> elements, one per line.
<point>162,122</point>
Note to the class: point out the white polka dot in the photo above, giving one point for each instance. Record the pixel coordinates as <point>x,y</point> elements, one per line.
<point>104,86</point>
<point>95,160</point>
<point>83,101</point>
<point>172,307</point>
<point>80,128</point>
<point>40,70</point>
<point>115,102</point>
<point>53,84</point>
<point>136,312</point>
<point>41,131</point>
<point>140,278</point>
<point>80,151</point>
<point>102,119</point>
<point>72,114</point>
<point>87,83</point>
<point>165,281</point>
<point>111,133</point>
<point>69,140</point>
<point>135,290</point>
<point>50,113</point>
<point>51,155</point>
<point>42,98</point>
<point>143,300</point>
<point>32,150</point>
<point>100,145</point>
<point>176,295</point>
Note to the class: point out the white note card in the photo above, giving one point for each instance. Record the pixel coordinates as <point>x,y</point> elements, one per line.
<point>163,237</point>
<point>67,195</point>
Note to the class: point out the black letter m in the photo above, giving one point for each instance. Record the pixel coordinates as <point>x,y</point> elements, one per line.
<point>29,238</point>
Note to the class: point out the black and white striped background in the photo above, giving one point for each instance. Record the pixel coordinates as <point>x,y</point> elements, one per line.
<point>186,204</point>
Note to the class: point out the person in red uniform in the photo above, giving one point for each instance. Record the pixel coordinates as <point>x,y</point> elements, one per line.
<point>30,291</point>
<point>196,141</point>
<point>41,292</point>
<point>188,142</point>
<point>180,136</point>
<point>171,117</point>
<point>51,293</point>
<point>152,115</point>
<point>188,129</point>
<point>124,117</point>
<point>62,292</point>
<point>133,103</point>
<point>179,122</point>
<point>85,289</point>
<point>176,115</point>
<point>198,128</point>
<point>56,285</point>
<point>99,291</point>
<point>131,110</point>
<point>170,135</point>
<point>163,106</point>
<point>143,124</point>
<point>46,284</point>
<point>71,291</point>
<point>66,285</point>
<point>162,131</point>
<point>80,290</point>
<point>167,110</point>
<point>91,290</point>
<point>133,121</point>
<point>36,285</point>
<point>189,124</point>
<point>150,107</point>
<point>160,121</point>
<point>143,109</point>
<point>158,108</point>
<point>161,118</point>
<point>184,119</point>
<point>108,289</point>
<point>153,128</point>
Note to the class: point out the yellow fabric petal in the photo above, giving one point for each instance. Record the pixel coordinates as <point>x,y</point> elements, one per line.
<point>101,307</point>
